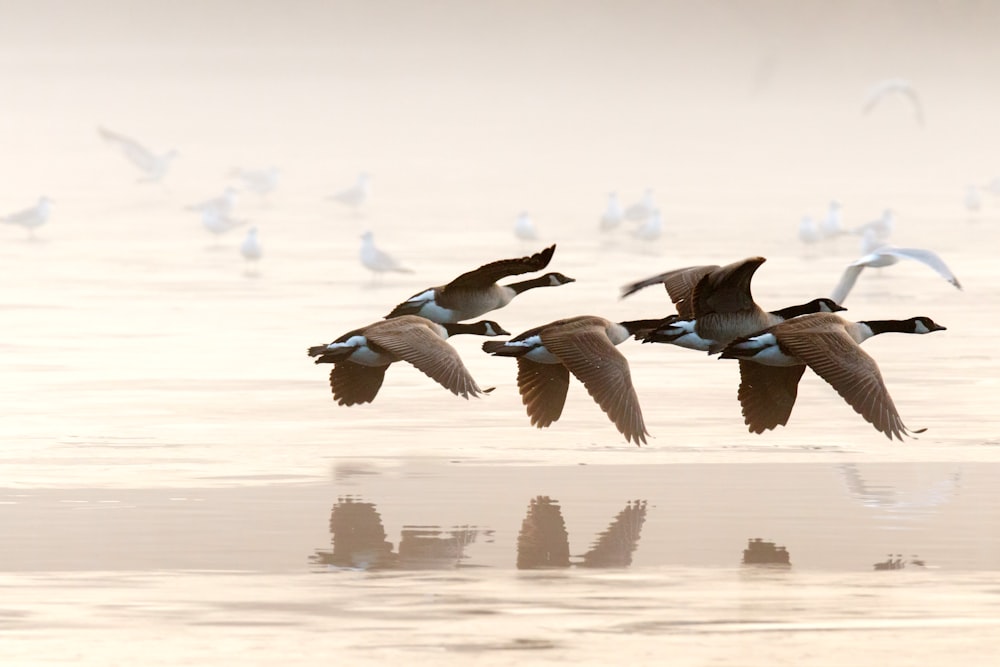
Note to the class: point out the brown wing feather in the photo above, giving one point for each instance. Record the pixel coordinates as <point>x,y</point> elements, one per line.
<point>835,357</point>
<point>487,274</point>
<point>420,345</point>
<point>587,352</point>
<point>353,383</point>
<point>679,283</point>
<point>543,390</point>
<point>767,394</point>
<point>727,289</point>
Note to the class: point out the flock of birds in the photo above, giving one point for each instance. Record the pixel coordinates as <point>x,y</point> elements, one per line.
<point>716,314</point>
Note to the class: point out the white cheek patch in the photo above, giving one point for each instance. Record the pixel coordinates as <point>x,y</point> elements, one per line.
<point>921,328</point>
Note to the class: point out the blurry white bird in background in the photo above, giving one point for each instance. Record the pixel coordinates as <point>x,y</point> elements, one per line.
<point>651,229</point>
<point>153,166</point>
<point>879,229</point>
<point>262,181</point>
<point>355,196</point>
<point>217,223</point>
<point>223,204</point>
<point>973,200</point>
<point>887,255</point>
<point>250,248</point>
<point>831,226</point>
<point>993,187</point>
<point>524,227</point>
<point>642,209</point>
<point>895,87</point>
<point>613,213</point>
<point>31,218</point>
<point>377,261</point>
<point>809,231</point>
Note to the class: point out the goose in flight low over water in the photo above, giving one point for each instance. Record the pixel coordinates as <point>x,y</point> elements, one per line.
<point>772,363</point>
<point>361,357</point>
<point>887,255</point>
<point>585,347</point>
<point>476,292</point>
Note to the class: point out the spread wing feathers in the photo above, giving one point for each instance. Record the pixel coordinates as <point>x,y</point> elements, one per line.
<point>928,257</point>
<point>133,150</point>
<point>847,281</point>
<point>543,390</point>
<point>836,358</point>
<point>726,290</point>
<point>488,274</point>
<point>589,355</point>
<point>430,354</point>
<point>767,394</point>
<point>353,383</point>
<point>679,283</point>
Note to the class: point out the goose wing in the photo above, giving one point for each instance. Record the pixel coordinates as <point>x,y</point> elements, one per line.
<point>543,390</point>
<point>584,347</point>
<point>488,274</point>
<point>835,357</point>
<point>418,344</point>
<point>767,394</point>
<point>679,283</point>
<point>353,383</point>
<point>727,289</point>
<point>928,257</point>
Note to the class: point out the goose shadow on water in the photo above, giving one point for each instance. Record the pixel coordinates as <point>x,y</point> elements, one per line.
<point>359,540</point>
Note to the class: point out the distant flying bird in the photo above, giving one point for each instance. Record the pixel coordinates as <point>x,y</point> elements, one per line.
<point>31,218</point>
<point>223,204</point>
<point>250,248</point>
<point>262,181</point>
<point>887,256</point>
<point>376,260</point>
<point>898,87</point>
<point>642,209</point>
<point>152,165</point>
<point>355,196</point>
<point>613,213</point>
<point>524,227</point>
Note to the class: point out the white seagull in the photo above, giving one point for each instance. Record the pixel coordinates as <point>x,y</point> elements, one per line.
<point>262,181</point>
<point>223,204</point>
<point>900,87</point>
<point>880,229</point>
<point>31,218</point>
<point>524,227</point>
<point>888,255</point>
<point>218,223</point>
<point>376,260</point>
<point>355,196</point>
<point>651,229</point>
<point>250,248</point>
<point>973,200</point>
<point>642,209</point>
<point>152,165</point>
<point>831,225</point>
<point>809,231</point>
<point>613,213</point>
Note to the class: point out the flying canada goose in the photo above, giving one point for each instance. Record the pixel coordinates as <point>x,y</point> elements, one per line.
<point>714,306</point>
<point>585,347</point>
<point>152,165</point>
<point>360,357</point>
<point>773,360</point>
<point>887,255</point>
<point>476,292</point>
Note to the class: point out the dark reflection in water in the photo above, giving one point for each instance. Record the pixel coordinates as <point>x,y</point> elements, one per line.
<point>359,541</point>
<point>544,542</point>
<point>896,562</point>
<point>759,552</point>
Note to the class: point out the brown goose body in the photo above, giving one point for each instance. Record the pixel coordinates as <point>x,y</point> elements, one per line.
<point>361,357</point>
<point>585,347</point>
<point>772,363</point>
<point>477,292</point>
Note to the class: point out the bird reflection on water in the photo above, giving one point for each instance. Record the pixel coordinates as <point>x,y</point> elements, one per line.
<point>359,542</point>
<point>544,543</point>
